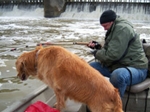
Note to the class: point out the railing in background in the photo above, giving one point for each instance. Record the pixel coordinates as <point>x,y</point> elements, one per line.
<point>16,2</point>
<point>132,1</point>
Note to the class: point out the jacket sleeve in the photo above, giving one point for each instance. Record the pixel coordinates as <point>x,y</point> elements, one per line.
<point>116,47</point>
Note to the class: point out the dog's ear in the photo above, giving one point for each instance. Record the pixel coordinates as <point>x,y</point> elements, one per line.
<point>22,65</point>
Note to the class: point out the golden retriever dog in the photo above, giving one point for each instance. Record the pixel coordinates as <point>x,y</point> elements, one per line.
<point>70,77</point>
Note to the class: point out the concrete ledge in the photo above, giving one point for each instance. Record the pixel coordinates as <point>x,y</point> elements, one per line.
<point>72,106</point>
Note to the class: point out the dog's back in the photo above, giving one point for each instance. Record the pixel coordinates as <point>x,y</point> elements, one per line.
<point>70,76</point>
<point>79,81</point>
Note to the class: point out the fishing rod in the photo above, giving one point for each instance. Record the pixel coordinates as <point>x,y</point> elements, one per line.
<point>50,43</point>
<point>74,43</point>
<point>81,43</point>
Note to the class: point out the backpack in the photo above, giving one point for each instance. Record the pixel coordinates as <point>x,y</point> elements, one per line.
<point>146,47</point>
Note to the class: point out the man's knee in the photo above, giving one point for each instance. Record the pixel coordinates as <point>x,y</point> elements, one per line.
<point>118,76</point>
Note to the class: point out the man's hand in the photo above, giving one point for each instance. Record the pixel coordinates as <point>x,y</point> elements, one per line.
<point>94,45</point>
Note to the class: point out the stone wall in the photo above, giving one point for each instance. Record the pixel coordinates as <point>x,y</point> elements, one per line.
<point>53,8</point>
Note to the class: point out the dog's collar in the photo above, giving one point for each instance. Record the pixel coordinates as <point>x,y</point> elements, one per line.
<point>36,58</point>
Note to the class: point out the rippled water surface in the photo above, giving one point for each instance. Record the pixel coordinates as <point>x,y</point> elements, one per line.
<point>23,33</point>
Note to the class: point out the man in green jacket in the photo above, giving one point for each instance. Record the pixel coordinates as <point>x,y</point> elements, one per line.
<point>121,54</point>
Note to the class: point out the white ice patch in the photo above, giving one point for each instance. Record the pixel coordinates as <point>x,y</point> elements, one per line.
<point>7,70</point>
<point>2,63</point>
<point>1,85</point>
<point>14,68</point>
<point>10,81</point>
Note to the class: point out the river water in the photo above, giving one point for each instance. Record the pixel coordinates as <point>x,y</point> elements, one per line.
<point>20,28</point>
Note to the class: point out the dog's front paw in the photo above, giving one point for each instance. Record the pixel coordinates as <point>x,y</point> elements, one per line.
<point>58,106</point>
<point>55,105</point>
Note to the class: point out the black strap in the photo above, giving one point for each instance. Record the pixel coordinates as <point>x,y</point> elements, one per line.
<point>129,89</point>
<point>146,90</point>
<point>146,99</point>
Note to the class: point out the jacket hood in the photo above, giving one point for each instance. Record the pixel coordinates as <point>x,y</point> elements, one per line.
<point>121,20</point>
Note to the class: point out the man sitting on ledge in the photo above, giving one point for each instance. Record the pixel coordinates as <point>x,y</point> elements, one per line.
<point>122,57</point>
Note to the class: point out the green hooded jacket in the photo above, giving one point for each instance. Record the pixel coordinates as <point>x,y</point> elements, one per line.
<point>116,42</point>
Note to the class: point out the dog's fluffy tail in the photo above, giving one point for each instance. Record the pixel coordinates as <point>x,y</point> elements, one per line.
<point>118,102</point>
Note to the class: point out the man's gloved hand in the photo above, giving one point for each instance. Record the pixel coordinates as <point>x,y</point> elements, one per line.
<point>94,52</point>
<point>96,45</point>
